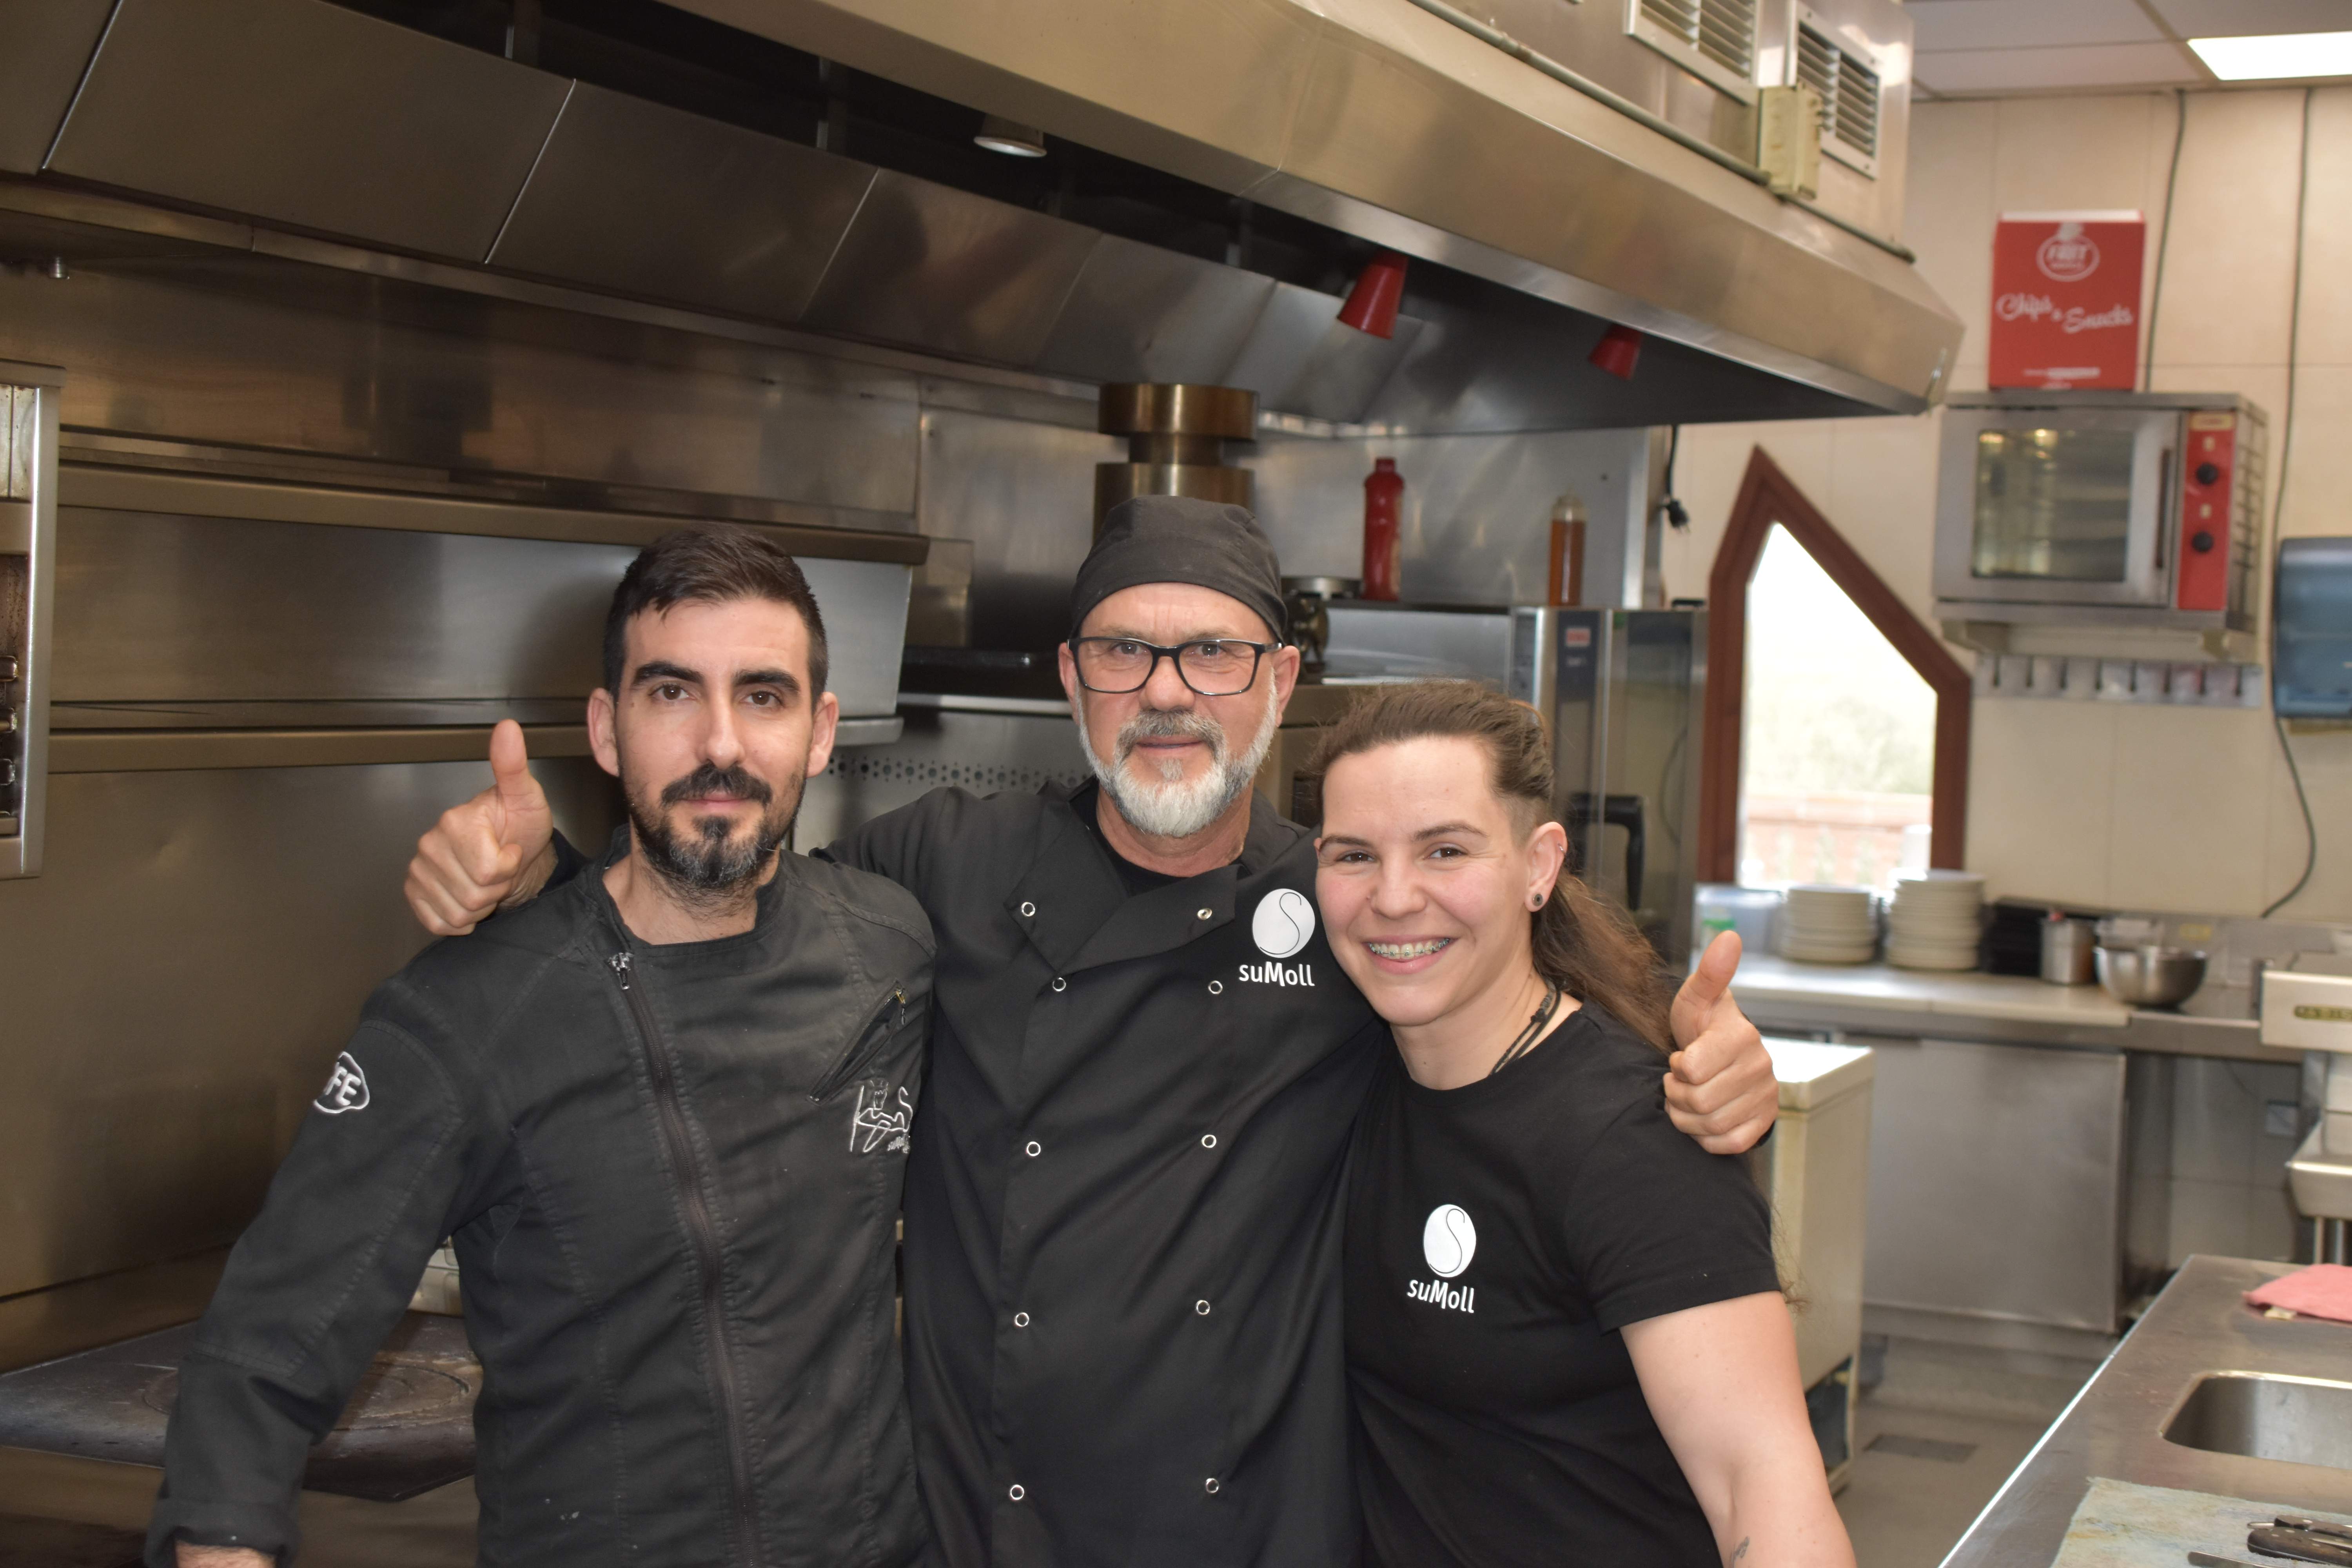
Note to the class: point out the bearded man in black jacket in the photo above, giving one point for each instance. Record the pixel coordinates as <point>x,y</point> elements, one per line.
<point>664,1114</point>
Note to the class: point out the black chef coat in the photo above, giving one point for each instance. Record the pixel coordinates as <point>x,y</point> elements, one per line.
<point>1123,1226</point>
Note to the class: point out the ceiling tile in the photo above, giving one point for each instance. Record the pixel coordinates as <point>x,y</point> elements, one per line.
<point>1940,25</point>
<point>2234,18</point>
<point>2022,71</point>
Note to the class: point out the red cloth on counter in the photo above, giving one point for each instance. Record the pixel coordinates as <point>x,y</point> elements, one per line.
<point>2322,1290</point>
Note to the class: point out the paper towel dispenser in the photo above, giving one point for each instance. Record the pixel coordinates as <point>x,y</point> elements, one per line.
<point>2311,629</point>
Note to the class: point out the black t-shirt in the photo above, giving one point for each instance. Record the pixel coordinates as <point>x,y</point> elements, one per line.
<point>1139,879</point>
<point>1499,1236</point>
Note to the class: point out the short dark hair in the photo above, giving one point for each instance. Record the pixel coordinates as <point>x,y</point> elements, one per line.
<point>709,563</point>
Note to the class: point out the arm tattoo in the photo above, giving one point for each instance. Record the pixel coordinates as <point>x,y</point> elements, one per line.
<point>1738,1553</point>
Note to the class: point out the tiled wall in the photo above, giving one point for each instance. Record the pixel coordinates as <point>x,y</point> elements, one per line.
<point>2137,806</point>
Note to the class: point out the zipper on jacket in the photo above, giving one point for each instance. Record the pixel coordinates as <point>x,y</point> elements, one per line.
<point>880,1025</point>
<point>704,1233</point>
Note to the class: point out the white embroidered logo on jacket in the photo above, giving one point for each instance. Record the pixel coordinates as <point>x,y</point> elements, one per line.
<point>347,1088</point>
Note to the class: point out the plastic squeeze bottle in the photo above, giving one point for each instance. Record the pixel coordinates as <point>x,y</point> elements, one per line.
<point>1384,529</point>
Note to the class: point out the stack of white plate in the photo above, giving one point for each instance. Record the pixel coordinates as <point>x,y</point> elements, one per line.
<point>1829,925</point>
<point>1936,921</point>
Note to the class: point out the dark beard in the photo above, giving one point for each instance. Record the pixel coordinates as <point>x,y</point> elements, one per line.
<point>710,867</point>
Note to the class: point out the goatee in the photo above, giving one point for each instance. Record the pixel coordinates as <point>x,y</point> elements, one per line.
<point>711,863</point>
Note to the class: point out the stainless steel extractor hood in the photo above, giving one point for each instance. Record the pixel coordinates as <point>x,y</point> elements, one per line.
<point>1550,213</point>
<point>1403,122</point>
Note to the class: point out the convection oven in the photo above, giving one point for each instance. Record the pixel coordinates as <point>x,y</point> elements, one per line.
<point>2100,508</point>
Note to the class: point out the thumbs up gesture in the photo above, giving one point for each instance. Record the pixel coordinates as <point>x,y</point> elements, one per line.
<point>493,852</point>
<point>1719,1086</point>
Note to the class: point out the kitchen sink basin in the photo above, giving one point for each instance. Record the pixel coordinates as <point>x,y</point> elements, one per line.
<point>2303,1420</point>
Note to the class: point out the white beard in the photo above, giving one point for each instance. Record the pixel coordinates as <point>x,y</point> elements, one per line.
<point>1176,807</point>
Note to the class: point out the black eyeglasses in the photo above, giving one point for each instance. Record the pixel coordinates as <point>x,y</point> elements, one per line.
<point>1212,667</point>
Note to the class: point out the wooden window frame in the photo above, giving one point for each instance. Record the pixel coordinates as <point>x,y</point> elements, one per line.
<point>1768,495</point>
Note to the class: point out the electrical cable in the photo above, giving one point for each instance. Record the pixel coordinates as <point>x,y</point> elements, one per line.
<point>2164,235</point>
<point>1677,515</point>
<point>2278,509</point>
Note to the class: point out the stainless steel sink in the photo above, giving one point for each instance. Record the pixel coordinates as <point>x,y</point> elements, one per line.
<point>2302,1420</point>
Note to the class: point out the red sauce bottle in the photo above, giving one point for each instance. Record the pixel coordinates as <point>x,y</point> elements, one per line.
<point>1384,529</point>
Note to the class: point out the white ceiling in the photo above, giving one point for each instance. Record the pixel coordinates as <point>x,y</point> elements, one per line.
<point>2030,46</point>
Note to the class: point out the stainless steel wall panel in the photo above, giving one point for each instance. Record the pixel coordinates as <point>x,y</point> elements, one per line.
<point>245,353</point>
<point>195,609</point>
<point>864,604</point>
<point>645,200</point>
<point>179,979</point>
<point>1141,314</point>
<point>1476,510</point>
<point>312,115</point>
<point>1024,494</point>
<point>949,271</point>
<point>102,484</point>
<point>215,610</point>
<point>985,753</point>
<point>48,43</point>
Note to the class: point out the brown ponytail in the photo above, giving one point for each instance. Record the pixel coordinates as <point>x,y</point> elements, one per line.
<point>1587,945</point>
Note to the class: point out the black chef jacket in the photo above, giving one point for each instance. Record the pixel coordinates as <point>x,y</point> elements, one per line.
<point>1123,1225</point>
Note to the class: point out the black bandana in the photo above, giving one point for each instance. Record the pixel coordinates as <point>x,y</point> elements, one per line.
<point>1177,538</point>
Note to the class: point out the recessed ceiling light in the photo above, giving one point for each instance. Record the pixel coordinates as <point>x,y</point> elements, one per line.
<point>2275,55</point>
<point>1011,137</point>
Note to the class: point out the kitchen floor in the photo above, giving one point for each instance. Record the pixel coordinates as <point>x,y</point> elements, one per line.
<point>1937,1436</point>
<point>1936,1439</point>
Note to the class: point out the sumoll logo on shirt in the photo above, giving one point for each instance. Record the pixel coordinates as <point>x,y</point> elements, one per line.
<point>1448,1242</point>
<point>1283,926</point>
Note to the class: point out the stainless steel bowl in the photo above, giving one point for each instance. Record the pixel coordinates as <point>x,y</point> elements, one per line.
<point>2150,976</point>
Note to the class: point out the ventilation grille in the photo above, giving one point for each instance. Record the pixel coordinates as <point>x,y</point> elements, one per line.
<point>1719,37</point>
<point>1849,91</point>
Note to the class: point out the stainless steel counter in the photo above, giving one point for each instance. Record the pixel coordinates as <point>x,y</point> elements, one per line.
<point>1876,999</point>
<point>2116,1426</point>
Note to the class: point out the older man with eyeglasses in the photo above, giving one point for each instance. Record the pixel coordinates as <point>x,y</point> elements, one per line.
<point>1122,1234</point>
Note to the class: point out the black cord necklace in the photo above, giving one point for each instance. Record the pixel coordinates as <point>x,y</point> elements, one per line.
<point>1534,1031</point>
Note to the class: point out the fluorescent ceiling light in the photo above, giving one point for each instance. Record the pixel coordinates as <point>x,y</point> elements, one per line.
<point>2275,55</point>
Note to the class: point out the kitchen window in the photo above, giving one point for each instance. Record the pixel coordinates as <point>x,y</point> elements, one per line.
<point>1815,760</point>
<point>1838,744</point>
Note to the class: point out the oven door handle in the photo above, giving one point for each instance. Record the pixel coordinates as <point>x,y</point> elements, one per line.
<point>2165,520</point>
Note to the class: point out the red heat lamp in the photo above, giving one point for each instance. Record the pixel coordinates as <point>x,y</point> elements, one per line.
<point>1618,351</point>
<point>1373,303</point>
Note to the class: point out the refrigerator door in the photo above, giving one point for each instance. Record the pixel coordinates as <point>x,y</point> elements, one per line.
<point>1626,716</point>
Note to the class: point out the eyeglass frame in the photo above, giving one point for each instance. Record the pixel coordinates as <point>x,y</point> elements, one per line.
<point>1258,650</point>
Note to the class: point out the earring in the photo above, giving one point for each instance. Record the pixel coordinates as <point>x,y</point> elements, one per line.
<point>1535,901</point>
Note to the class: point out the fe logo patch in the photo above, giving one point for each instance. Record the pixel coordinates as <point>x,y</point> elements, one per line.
<point>347,1088</point>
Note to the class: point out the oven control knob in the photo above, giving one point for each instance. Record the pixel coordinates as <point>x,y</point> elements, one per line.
<point>2206,473</point>
<point>2202,543</point>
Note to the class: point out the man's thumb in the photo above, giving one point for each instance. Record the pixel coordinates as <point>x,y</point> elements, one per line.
<point>510,768</point>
